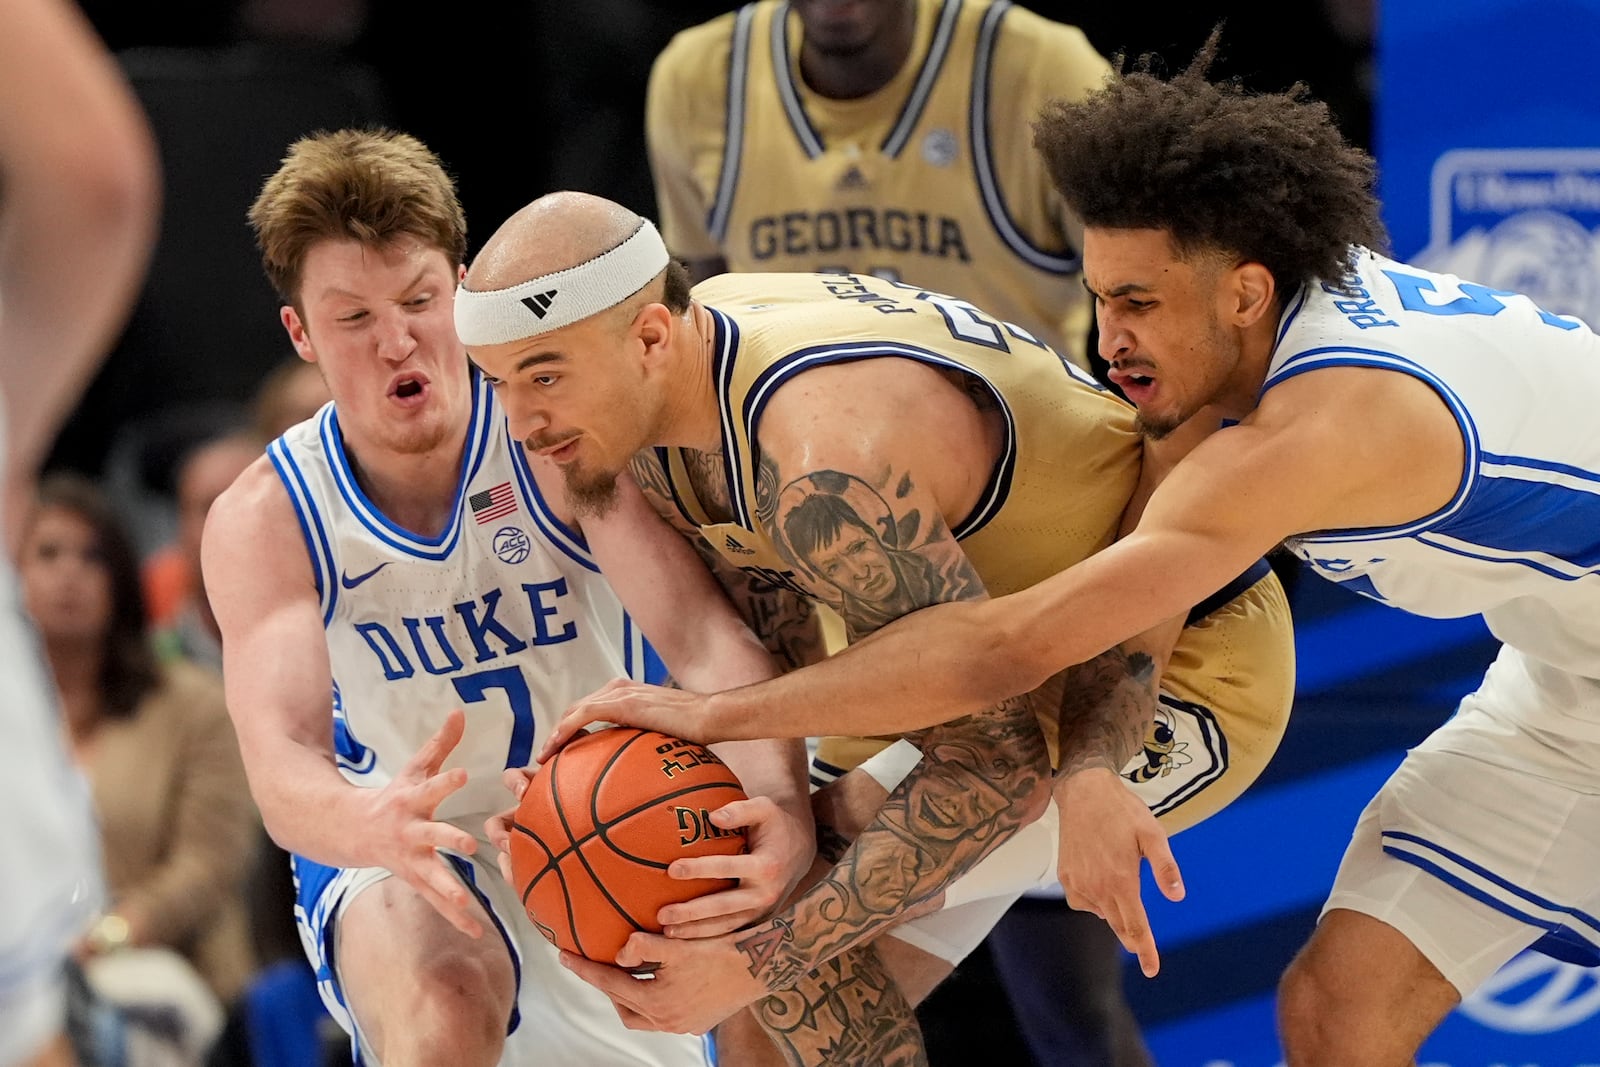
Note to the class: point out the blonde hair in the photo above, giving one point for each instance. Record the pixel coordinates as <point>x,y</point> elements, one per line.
<point>372,186</point>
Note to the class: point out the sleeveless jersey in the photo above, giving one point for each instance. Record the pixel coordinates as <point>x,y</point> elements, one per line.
<point>932,179</point>
<point>503,614</point>
<point>1519,543</point>
<point>1070,461</point>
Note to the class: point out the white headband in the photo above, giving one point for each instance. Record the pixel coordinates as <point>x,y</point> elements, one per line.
<point>552,301</point>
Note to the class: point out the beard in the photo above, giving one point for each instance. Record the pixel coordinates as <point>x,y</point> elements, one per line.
<point>591,493</point>
<point>1154,428</point>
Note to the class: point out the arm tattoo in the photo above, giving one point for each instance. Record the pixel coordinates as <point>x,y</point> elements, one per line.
<point>848,1010</point>
<point>1107,706</point>
<point>875,551</point>
<point>786,624</point>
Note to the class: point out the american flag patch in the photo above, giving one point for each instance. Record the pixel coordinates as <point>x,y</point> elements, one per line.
<point>491,504</point>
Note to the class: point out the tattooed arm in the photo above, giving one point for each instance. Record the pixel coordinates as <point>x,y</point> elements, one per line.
<point>858,512</point>
<point>786,623</point>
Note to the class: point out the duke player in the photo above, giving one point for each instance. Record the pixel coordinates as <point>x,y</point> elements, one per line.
<point>1422,439</point>
<point>876,448</point>
<point>876,137</point>
<point>82,191</point>
<point>404,607</point>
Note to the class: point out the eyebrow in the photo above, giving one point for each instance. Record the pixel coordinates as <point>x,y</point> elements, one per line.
<point>536,359</point>
<point>334,290</point>
<point>1121,290</point>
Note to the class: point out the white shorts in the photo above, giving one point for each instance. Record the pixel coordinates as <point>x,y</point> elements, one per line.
<point>558,1018</point>
<point>50,882</point>
<point>1486,839</point>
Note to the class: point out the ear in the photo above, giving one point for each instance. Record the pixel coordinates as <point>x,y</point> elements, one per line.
<point>654,326</point>
<point>296,329</point>
<point>1249,291</point>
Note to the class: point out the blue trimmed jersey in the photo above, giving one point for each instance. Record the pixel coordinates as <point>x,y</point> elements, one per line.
<point>932,179</point>
<point>1519,543</point>
<point>503,614</point>
<point>1070,462</point>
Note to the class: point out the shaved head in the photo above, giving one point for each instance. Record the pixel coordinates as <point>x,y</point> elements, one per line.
<point>553,233</point>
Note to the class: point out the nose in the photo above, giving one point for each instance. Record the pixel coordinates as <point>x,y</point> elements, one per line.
<point>395,339</point>
<point>523,418</point>
<point>1115,339</point>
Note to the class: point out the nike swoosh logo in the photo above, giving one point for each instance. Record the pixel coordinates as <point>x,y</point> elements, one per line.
<point>350,583</point>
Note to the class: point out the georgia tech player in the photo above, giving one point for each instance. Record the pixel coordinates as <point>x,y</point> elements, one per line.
<point>878,448</point>
<point>884,137</point>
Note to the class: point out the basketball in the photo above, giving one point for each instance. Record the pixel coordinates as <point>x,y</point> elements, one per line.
<point>598,826</point>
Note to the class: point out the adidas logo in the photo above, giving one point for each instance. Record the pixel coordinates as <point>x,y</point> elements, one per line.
<point>540,303</point>
<point>737,547</point>
<point>852,179</point>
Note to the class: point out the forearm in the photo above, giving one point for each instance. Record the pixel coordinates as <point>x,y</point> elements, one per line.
<point>981,779</point>
<point>307,806</point>
<point>72,255</point>
<point>773,768</point>
<point>927,668</point>
<point>1107,707</point>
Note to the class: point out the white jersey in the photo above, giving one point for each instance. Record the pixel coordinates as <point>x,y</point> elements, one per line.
<point>504,614</point>
<point>51,885</point>
<point>1519,543</point>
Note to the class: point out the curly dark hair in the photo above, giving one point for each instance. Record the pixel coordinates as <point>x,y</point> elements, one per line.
<point>1264,175</point>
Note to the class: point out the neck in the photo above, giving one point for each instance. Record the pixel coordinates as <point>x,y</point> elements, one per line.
<point>858,74</point>
<point>692,417</point>
<point>77,668</point>
<point>416,492</point>
<point>1257,344</point>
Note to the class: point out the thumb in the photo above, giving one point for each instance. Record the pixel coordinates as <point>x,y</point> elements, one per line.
<point>1164,869</point>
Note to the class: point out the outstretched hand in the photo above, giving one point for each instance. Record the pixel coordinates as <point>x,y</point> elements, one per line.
<point>624,702</point>
<point>404,826</point>
<point>1106,830</point>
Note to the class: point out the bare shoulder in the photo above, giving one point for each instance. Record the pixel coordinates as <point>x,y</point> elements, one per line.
<point>253,533</point>
<point>1360,408</point>
<point>870,405</point>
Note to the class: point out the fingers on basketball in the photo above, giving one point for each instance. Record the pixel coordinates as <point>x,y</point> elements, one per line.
<point>601,823</point>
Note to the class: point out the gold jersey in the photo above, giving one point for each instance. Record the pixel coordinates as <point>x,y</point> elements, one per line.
<point>932,179</point>
<point>1069,463</point>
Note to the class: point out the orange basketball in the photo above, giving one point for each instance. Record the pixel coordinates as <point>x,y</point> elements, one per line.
<point>600,822</point>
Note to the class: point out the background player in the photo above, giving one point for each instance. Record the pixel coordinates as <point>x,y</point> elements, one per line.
<point>881,142</point>
<point>77,224</point>
<point>878,137</point>
<point>1421,439</point>
<point>780,403</point>
<point>394,560</point>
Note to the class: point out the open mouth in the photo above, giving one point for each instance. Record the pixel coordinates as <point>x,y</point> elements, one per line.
<point>409,387</point>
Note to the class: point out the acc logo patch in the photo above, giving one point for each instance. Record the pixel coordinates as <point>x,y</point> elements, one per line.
<point>511,544</point>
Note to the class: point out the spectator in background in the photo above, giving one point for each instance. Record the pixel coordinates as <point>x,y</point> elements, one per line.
<point>153,740</point>
<point>292,392</point>
<point>892,141</point>
<point>190,631</point>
